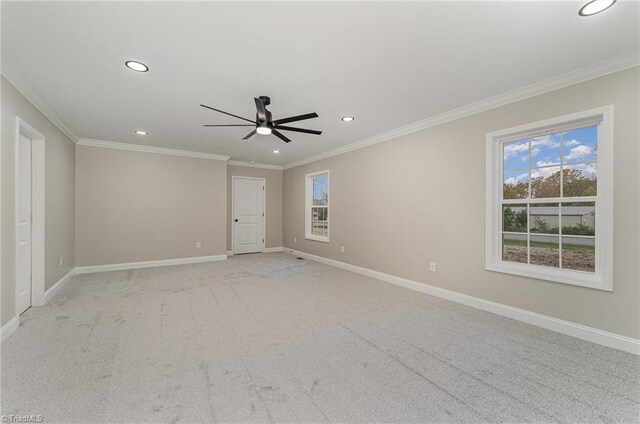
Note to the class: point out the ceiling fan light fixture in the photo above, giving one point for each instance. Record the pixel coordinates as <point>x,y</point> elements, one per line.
<point>263,130</point>
<point>136,66</point>
<point>595,6</point>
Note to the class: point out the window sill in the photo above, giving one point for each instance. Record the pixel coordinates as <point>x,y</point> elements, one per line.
<point>575,278</point>
<point>317,238</point>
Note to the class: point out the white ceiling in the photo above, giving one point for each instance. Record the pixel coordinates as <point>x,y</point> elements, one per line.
<point>386,63</point>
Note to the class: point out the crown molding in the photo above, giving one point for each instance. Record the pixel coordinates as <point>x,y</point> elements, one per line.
<point>32,96</point>
<point>150,149</point>
<point>254,165</point>
<point>616,64</point>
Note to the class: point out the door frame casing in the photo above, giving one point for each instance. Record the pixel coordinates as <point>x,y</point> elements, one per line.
<point>233,207</point>
<point>37,210</point>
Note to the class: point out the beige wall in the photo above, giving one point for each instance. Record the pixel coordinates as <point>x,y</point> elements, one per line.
<point>137,206</point>
<point>274,201</point>
<point>398,205</point>
<point>59,195</point>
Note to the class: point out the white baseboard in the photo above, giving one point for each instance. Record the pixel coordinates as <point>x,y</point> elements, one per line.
<point>148,264</point>
<point>229,253</point>
<point>57,286</point>
<point>9,328</point>
<point>604,338</point>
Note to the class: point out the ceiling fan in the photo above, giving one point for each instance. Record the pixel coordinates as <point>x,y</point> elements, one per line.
<point>264,124</point>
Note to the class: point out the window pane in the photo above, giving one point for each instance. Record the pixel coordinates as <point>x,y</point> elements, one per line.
<point>580,180</point>
<point>545,150</point>
<point>514,218</point>
<point>545,182</point>
<point>579,253</point>
<point>578,240</point>
<point>516,185</point>
<point>544,218</point>
<point>319,221</point>
<point>580,145</point>
<point>544,250</point>
<point>320,194</point>
<point>516,154</point>
<point>514,248</point>
<point>579,219</point>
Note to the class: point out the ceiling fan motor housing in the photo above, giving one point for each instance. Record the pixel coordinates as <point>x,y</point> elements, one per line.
<point>264,123</point>
<point>266,101</point>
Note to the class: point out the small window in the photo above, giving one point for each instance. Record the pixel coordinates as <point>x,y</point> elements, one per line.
<point>317,206</point>
<point>549,200</point>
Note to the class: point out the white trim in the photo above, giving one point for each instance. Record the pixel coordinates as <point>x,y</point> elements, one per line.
<point>264,209</point>
<point>148,264</point>
<point>590,334</point>
<point>149,149</point>
<point>616,64</point>
<point>49,294</point>
<point>602,278</point>
<point>37,207</point>
<point>38,221</point>
<point>9,328</point>
<point>308,205</point>
<point>229,253</point>
<point>273,249</point>
<point>30,94</point>
<point>254,165</point>
<point>313,237</point>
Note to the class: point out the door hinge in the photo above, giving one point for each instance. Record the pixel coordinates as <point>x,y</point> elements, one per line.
<point>262,187</point>
<point>262,213</point>
<point>263,240</point>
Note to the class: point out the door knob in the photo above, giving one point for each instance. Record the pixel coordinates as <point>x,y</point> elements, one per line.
<point>236,220</point>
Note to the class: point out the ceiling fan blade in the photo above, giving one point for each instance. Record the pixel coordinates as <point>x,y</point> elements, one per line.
<point>227,113</point>
<point>280,135</point>
<point>248,136</point>
<point>262,112</point>
<point>229,125</point>
<point>302,130</point>
<point>295,118</point>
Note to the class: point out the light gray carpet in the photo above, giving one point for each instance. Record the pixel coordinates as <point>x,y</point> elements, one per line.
<point>268,338</point>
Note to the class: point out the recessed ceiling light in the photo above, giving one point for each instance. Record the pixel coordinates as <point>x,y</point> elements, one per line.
<point>140,132</point>
<point>276,151</point>
<point>136,66</point>
<point>263,130</point>
<point>595,6</point>
<point>348,118</point>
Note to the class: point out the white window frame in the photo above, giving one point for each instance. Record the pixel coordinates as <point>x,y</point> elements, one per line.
<point>602,278</point>
<point>308,204</point>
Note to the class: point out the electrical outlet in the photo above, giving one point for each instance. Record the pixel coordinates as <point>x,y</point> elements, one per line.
<point>60,260</point>
<point>198,245</point>
<point>342,249</point>
<point>432,267</point>
<point>295,239</point>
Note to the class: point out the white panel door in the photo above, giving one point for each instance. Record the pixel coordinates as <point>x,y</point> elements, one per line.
<point>23,270</point>
<point>248,215</point>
